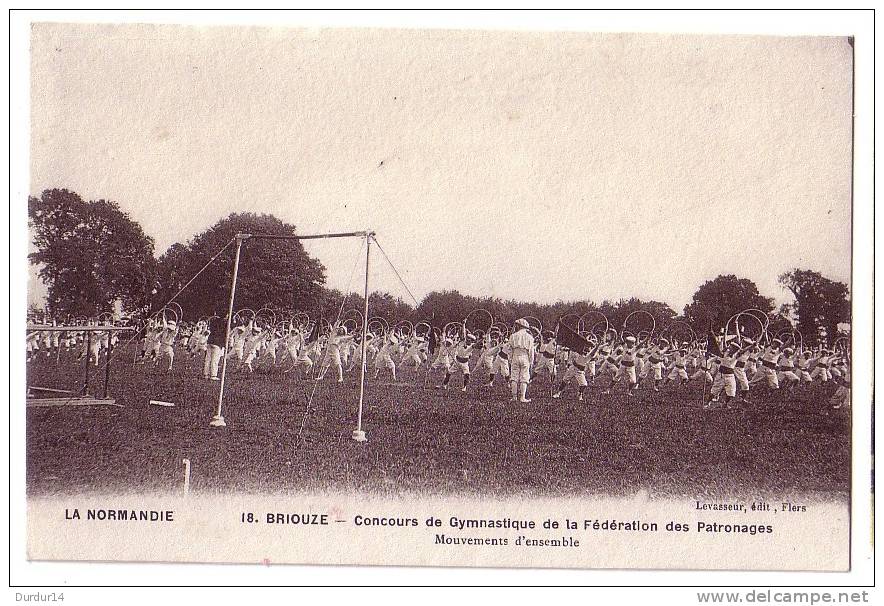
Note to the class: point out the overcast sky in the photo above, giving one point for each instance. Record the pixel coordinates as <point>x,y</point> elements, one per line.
<point>534,166</point>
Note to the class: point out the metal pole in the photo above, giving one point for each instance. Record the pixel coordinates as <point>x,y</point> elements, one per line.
<point>358,434</point>
<point>218,419</point>
<point>88,355</point>
<point>349,234</point>
<point>107,359</point>
<point>554,375</point>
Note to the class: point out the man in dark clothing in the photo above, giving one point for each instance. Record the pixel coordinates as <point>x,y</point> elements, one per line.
<point>215,346</point>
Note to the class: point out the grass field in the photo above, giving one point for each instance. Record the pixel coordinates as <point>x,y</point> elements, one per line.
<point>425,441</point>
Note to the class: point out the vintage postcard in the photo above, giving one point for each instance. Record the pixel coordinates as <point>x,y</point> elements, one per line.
<point>440,298</point>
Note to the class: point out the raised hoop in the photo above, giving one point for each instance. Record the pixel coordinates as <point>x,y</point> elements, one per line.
<point>637,325</point>
<point>478,320</point>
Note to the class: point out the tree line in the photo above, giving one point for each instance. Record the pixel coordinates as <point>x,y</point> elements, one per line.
<point>91,254</point>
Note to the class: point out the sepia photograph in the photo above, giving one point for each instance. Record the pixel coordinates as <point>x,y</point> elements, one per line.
<point>440,297</point>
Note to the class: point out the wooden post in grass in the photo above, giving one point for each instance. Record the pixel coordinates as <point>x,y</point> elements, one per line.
<point>358,433</point>
<point>186,476</point>
<point>218,419</point>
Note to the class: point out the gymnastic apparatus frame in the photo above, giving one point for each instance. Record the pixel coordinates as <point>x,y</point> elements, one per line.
<point>218,418</point>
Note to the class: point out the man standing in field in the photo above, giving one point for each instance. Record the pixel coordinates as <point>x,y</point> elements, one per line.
<point>463,350</point>
<point>768,370</point>
<point>337,338</point>
<point>547,359</point>
<point>217,327</point>
<point>522,360</point>
<point>500,365</point>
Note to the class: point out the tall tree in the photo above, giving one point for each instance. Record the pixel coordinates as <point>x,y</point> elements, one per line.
<point>719,299</point>
<point>276,273</point>
<point>452,306</point>
<point>89,254</point>
<point>445,306</point>
<point>618,312</point>
<point>380,304</point>
<point>820,303</point>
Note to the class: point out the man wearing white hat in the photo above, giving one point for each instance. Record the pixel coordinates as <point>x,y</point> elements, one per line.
<point>656,357</point>
<point>445,355</point>
<point>254,344</point>
<point>237,341</point>
<point>415,352</point>
<point>305,353</point>
<point>705,365</point>
<point>522,360</point>
<point>838,366</point>
<point>768,370</point>
<point>740,370</point>
<point>547,359</point>
<point>786,369</point>
<point>33,343</point>
<point>486,356</point>
<point>463,350</point>
<point>755,363</point>
<point>150,345</point>
<point>678,371</point>
<point>726,379</point>
<point>802,366</point>
<point>577,372</point>
<point>167,342</point>
<point>198,338</point>
<point>627,364</point>
<point>501,364</point>
<point>337,338</point>
<point>821,368</point>
<point>610,361</point>
<point>384,359</point>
